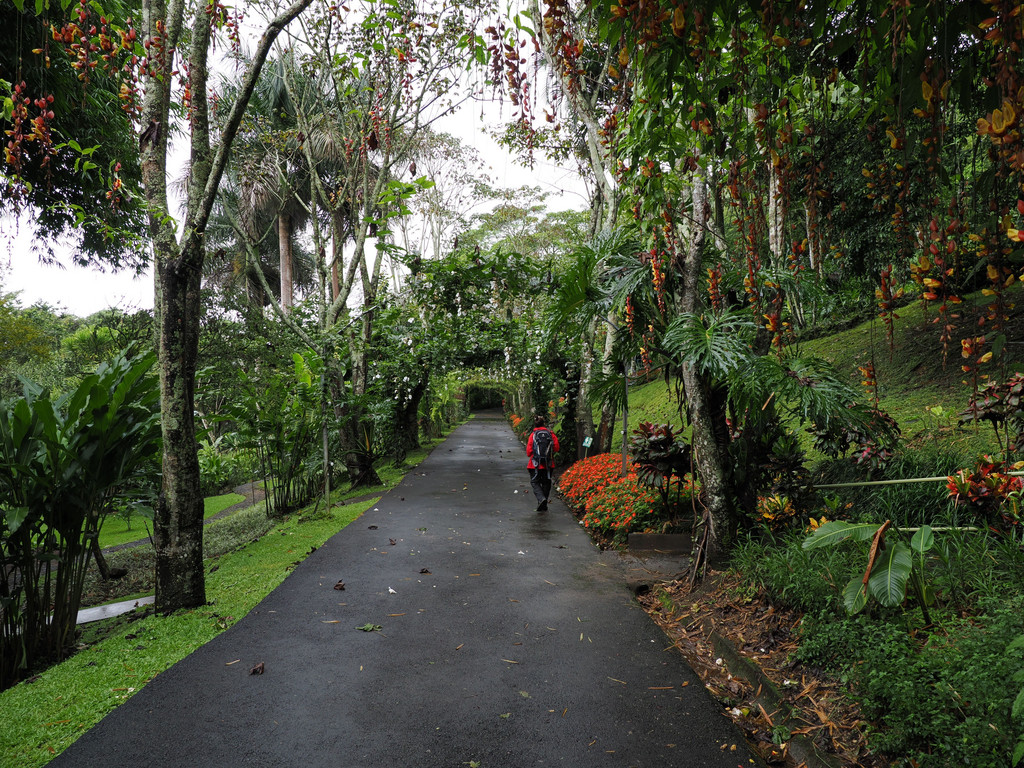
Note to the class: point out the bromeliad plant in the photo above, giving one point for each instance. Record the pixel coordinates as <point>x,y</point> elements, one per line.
<point>1002,405</point>
<point>892,566</point>
<point>991,491</point>
<point>661,457</point>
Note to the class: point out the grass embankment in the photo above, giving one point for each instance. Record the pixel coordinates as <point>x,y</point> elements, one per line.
<point>918,385</point>
<point>916,373</point>
<point>118,530</point>
<point>119,656</point>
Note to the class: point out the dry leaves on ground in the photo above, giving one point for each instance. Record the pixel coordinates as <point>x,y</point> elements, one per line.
<point>766,635</point>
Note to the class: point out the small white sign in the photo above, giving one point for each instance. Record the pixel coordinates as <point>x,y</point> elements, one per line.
<point>587,442</point>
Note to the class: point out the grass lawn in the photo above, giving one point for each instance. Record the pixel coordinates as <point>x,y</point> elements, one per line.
<point>116,529</point>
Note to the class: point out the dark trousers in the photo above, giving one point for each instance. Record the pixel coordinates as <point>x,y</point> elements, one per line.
<point>540,481</point>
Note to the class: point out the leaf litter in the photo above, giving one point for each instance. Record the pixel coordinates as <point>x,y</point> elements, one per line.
<point>766,634</point>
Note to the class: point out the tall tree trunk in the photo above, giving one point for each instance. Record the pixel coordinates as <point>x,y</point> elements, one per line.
<point>284,243</point>
<point>709,452</point>
<point>606,432</point>
<point>178,522</point>
<point>584,411</point>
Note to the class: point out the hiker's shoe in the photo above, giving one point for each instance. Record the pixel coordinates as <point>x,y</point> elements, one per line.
<point>543,506</point>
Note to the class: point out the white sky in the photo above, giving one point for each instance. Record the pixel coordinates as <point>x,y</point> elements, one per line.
<point>84,291</point>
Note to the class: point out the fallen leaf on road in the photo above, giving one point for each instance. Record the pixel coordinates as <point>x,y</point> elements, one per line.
<point>340,585</point>
<point>510,661</point>
<point>617,681</point>
<point>370,628</point>
<point>459,646</point>
<point>330,621</point>
<point>425,570</point>
<point>371,527</point>
<point>391,591</point>
<point>228,664</point>
<point>392,615</point>
<point>257,670</point>
<point>392,542</point>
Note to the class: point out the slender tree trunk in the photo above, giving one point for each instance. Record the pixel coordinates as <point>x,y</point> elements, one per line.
<point>284,243</point>
<point>584,412</point>
<point>608,410</point>
<point>178,522</point>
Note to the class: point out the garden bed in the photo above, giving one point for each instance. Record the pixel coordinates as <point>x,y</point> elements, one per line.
<point>821,711</point>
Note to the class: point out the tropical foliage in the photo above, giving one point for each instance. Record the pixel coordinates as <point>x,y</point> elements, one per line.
<point>64,463</point>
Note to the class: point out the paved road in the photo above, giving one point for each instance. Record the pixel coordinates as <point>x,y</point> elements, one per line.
<point>508,640</point>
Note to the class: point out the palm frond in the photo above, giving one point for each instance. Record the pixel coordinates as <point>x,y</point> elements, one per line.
<point>807,387</point>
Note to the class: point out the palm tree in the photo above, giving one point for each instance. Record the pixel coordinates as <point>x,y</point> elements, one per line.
<point>264,200</point>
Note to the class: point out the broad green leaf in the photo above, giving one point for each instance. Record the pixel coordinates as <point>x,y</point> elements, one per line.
<point>1018,752</point>
<point>922,540</point>
<point>1018,705</point>
<point>888,582</point>
<point>855,595</point>
<point>836,531</point>
<point>15,516</point>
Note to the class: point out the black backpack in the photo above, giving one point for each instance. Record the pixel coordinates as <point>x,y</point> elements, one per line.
<point>542,445</point>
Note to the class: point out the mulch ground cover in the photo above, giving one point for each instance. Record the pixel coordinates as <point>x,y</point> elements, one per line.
<point>767,636</point>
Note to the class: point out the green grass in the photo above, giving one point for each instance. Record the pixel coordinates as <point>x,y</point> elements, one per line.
<point>654,401</point>
<point>913,374</point>
<point>116,529</point>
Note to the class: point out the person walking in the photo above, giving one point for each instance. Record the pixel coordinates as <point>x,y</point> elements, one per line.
<point>540,453</point>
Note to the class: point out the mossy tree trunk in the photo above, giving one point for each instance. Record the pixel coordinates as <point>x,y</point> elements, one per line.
<point>178,523</point>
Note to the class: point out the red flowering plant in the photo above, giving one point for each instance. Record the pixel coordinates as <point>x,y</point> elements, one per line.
<point>587,476</point>
<point>621,507</point>
<point>991,491</point>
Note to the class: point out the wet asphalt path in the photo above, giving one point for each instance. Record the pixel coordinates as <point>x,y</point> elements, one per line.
<point>520,647</point>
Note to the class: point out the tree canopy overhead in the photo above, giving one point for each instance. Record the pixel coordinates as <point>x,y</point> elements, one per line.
<point>71,158</point>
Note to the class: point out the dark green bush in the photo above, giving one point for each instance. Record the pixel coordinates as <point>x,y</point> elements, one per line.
<point>940,701</point>
<point>794,577</point>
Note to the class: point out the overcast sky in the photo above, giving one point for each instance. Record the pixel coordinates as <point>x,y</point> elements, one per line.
<point>84,291</point>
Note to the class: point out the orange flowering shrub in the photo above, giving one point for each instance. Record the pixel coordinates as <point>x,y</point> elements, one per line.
<point>613,505</point>
<point>584,478</point>
<point>519,425</point>
<point>621,507</point>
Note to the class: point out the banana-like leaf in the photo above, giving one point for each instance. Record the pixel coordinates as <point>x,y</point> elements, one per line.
<point>15,516</point>
<point>923,540</point>
<point>888,582</point>
<point>855,595</point>
<point>836,531</point>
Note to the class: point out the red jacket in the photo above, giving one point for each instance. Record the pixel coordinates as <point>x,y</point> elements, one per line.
<point>529,448</point>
